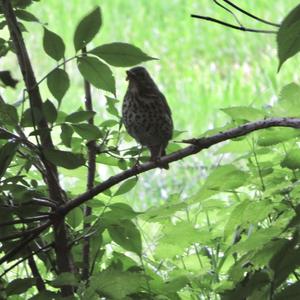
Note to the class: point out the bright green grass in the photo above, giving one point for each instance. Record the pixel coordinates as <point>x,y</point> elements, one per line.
<point>203,66</point>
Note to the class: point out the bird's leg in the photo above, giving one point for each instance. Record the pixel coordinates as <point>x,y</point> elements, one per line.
<point>156,152</point>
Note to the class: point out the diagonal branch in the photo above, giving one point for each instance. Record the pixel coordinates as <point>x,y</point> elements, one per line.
<point>63,256</point>
<point>23,243</point>
<point>231,25</point>
<point>197,145</point>
<point>251,15</point>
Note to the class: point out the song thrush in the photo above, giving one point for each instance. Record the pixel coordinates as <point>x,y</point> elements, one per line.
<point>146,114</point>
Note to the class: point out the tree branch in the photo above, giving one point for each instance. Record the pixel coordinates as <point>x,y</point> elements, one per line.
<point>10,254</point>
<point>251,15</point>
<point>64,260</point>
<point>91,145</point>
<point>25,258</point>
<point>231,25</point>
<point>36,274</point>
<point>197,145</point>
<point>24,221</point>
<point>23,233</point>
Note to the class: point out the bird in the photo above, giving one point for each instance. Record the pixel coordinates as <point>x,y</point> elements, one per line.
<point>146,114</point>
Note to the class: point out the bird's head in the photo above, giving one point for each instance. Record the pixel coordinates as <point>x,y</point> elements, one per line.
<point>140,79</point>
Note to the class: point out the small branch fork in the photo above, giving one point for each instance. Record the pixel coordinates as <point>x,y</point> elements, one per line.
<point>240,26</point>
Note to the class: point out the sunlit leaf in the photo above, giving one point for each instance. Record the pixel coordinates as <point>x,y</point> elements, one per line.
<point>80,116</point>
<point>121,54</point>
<point>97,73</point>
<point>87,28</point>
<point>126,186</point>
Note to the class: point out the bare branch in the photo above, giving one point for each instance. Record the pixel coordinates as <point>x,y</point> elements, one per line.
<point>64,260</point>
<point>24,221</point>
<point>197,145</point>
<point>36,274</point>
<point>232,26</point>
<point>228,10</point>
<point>91,145</point>
<point>22,234</point>
<point>10,254</point>
<point>25,258</point>
<point>251,15</point>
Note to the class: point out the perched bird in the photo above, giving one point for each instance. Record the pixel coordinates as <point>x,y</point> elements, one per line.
<point>146,114</point>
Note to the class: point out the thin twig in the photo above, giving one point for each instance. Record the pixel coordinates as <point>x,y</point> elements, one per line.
<point>232,26</point>
<point>25,258</point>
<point>36,274</point>
<point>24,221</point>
<point>228,10</point>
<point>23,233</point>
<point>251,15</point>
<point>10,254</point>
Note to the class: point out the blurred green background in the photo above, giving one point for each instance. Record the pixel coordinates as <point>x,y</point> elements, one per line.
<point>202,66</point>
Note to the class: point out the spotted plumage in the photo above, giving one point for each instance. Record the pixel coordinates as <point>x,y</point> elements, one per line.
<point>146,114</point>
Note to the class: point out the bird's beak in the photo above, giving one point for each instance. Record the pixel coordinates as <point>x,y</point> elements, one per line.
<point>129,75</point>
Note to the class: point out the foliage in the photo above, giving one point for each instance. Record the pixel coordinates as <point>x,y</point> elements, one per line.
<point>236,238</point>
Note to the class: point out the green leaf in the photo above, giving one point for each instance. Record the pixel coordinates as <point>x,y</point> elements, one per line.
<point>126,186</point>
<point>26,16</point>
<point>188,235</point>
<point>120,211</point>
<point>58,83</point>
<point>97,73</point>
<point>8,114</point>
<point>87,131</point>
<point>111,106</point>
<point>64,159</point>
<point>107,160</point>
<point>275,136</point>
<point>121,54</point>
<point>126,234</point>
<point>244,113</point>
<point>49,111</point>
<point>65,278</point>
<point>226,177</point>
<point>288,36</point>
<point>7,153</point>
<point>87,28</point>
<point>53,45</point>
<point>66,134</point>
<point>75,217</point>
<point>109,123</point>
<point>117,284</point>
<point>292,159</point>
<point>288,104</point>
<point>80,116</point>
<point>19,286</point>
